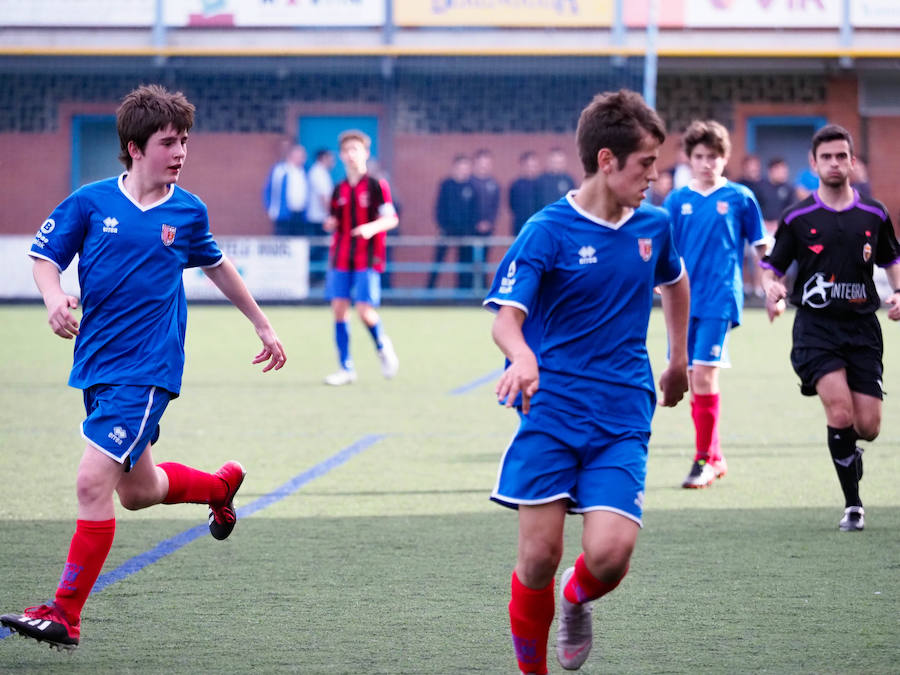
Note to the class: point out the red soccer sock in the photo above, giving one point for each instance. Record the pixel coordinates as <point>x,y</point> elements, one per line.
<point>530,616</point>
<point>87,553</point>
<point>584,586</point>
<point>705,412</point>
<point>190,486</point>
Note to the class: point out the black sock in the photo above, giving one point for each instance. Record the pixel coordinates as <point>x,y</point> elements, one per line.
<point>842,446</point>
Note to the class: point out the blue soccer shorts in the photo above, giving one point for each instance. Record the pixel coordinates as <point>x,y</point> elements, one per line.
<point>355,285</point>
<point>123,419</point>
<point>708,342</point>
<point>557,455</point>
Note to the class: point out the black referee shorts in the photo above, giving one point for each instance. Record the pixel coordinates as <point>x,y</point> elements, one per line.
<point>823,344</point>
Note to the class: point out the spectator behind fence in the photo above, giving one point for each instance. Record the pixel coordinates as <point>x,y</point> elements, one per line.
<point>660,188</point>
<point>487,198</point>
<point>751,177</point>
<point>321,187</point>
<point>859,178</point>
<point>286,193</point>
<point>524,193</point>
<point>775,193</point>
<point>556,181</point>
<point>456,213</point>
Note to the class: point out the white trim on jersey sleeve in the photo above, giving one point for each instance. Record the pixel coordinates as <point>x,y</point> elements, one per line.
<point>32,254</point>
<point>759,242</point>
<point>215,264</point>
<point>493,304</point>
<point>676,279</point>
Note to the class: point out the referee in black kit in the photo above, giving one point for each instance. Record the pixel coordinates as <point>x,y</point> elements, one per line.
<point>837,236</point>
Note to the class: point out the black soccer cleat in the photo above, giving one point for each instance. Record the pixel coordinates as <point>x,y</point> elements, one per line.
<point>44,623</point>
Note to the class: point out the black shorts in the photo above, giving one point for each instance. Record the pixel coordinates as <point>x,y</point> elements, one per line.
<point>823,344</point>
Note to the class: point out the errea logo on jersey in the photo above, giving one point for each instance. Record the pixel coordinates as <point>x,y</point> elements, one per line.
<point>686,209</point>
<point>110,225</point>
<point>507,282</point>
<point>117,435</point>
<point>587,255</point>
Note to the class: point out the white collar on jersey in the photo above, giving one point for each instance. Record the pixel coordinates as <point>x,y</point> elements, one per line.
<point>720,182</point>
<point>138,204</point>
<point>627,212</point>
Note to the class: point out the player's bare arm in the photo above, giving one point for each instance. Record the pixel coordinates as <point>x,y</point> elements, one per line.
<point>58,303</point>
<point>775,294</point>
<point>522,374</point>
<point>370,229</point>
<point>893,275</point>
<point>676,302</point>
<point>227,280</point>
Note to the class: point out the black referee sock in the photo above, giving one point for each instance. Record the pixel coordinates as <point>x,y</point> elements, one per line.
<point>842,446</point>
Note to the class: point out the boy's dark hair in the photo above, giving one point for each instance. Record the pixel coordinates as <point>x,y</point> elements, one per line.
<point>775,161</point>
<point>831,132</point>
<point>617,121</point>
<point>321,153</point>
<point>146,110</point>
<point>710,133</point>
<point>355,135</point>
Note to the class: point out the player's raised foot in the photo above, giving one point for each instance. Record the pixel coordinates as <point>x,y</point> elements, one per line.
<point>340,378</point>
<point>574,630</point>
<point>390,364</point>
<point>44,623</point>
<point>222,516</point>
<point>719,467</point>
<point>854,519</point>
<point>701,475</point>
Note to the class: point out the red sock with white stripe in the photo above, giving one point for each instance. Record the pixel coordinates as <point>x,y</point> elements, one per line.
<point>530,616</point>
<point>87,553</point>
<point>190,486</point>
<point>584,586</point>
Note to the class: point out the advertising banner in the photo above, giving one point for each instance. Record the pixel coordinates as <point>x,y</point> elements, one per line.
<point>875,13</point>
<point>763,13</point>
<point>199,13</point>
<point>274,269</point>
<point>77,13</point>
<point>504,13</point>
<point>271,13</point>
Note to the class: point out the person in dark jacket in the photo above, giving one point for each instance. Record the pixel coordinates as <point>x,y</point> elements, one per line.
<point>456,215</point>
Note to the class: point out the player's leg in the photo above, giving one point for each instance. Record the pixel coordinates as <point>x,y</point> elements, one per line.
<point>367,295</point>
<point>59,622</point>
<point>837,400</point>
<point>338,285</point>
<point>708,352</point>
<point>531,602</point>
<point>610,493</point>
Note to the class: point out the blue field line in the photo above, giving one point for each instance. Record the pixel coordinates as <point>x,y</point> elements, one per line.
<point>474,384</point>
<point>169,546</point>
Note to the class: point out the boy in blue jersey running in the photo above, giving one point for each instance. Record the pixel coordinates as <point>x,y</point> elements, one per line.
<point>573,297</point>
<point>712,217</point>
<point>134,235</point>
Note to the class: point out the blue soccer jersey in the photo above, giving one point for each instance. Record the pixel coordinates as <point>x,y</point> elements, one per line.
<point>710,230</point>
<point>131,260</point>
<point>587,289</point>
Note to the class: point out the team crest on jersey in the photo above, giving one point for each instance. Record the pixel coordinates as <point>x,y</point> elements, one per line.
<point>867,252</point>
<point>364,199</point>
<point>645,248</point>
<point>686,209</point>
<point>168,234</point>
<point>722,208</point>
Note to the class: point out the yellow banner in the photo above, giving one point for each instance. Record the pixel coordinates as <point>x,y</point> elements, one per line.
<point>506,13</point>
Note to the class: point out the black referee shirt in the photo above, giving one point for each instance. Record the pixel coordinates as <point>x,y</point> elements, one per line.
<point>835,253</point>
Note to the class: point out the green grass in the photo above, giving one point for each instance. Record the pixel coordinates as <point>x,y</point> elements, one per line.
<point>396,562</point>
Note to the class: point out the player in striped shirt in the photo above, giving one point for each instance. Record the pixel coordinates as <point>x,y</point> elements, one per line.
<point>361,214</point>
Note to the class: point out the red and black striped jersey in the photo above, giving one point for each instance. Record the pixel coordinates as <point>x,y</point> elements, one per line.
<point>355,205</point>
